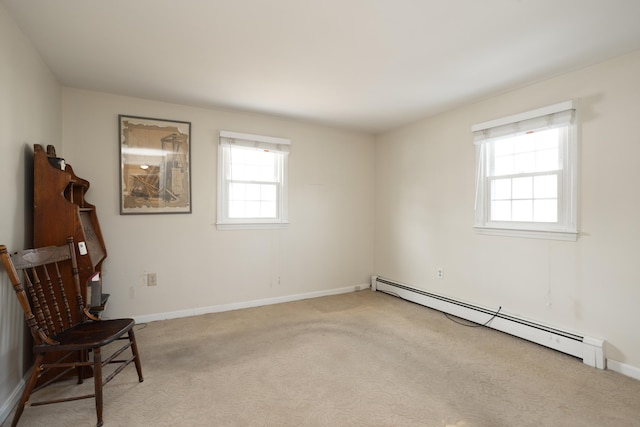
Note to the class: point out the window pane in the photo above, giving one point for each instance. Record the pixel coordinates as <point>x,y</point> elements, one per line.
<point>524,162</point>
<point>522,210</point>
<point>547,139</point>
<point>236,191</point>
<point>268,210</point>
<point>527,155</point>
<point>545,187</point>
<point>547,160</point>
<point>503,165</point>
<point>523,143</point>
<point>523,188</point>
<point>239,155</point>
<point>252,209</point>
<point>501,189</point>
<point>252,200</point>
<point>253,192</point>
<point>501,211</point>
<point>236,209</point>
<point>265,173</point>
<point>545,210</point>
<point>503,147</point>
<point>252,165</point>
<point>268,193</point>
<point>238,171</point>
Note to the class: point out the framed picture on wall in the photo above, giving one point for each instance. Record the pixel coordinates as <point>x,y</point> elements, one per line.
<point>155,165</point>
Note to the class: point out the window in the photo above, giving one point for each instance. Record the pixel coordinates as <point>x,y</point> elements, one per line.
<point>527,174</point>
<point>252,181</point>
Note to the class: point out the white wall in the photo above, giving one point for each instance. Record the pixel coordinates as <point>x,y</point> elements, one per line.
<point>328,245</point>
<point>425,199</point>
<point>30,112</point>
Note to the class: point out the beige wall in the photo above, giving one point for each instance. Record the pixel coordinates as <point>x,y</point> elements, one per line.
<point>328,244</point>
<point>30,112</point>
<point>425,199</point>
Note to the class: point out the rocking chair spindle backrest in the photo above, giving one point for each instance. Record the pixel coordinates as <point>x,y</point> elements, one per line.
<point>44,301</point>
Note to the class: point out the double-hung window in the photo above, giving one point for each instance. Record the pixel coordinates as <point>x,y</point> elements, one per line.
<point>526,182</point>
<point>252,181</point>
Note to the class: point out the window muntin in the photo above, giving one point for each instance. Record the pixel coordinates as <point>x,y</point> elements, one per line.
<point>527,173</point>
<point>252,181</point>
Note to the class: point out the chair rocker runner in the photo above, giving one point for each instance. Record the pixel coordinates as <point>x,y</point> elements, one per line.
<point>76,339</point>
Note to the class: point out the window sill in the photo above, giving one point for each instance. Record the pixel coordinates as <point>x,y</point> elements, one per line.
<point>566,236</point>
<point>252,226</point>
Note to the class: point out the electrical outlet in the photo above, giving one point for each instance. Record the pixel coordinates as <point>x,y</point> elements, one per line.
<point>152,279</point>
<point>440,273</point>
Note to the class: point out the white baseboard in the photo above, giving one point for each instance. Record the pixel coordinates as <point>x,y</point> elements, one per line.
<point>246,304</point>
<point>10,403</point>
<point>624,369</point>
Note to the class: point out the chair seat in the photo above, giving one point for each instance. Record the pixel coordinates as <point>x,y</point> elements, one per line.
<point>90,334</point>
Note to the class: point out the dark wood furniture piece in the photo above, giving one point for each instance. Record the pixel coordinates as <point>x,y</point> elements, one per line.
<point>63,327</point>
<point>60,210</point>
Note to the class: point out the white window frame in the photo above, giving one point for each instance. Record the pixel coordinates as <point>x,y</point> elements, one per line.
<point>259,142</point>
<point>563,114</point>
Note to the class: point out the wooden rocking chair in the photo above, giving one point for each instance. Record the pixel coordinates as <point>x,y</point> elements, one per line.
<point>75,344</point>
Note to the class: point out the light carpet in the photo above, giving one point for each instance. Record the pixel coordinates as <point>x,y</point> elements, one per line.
<point>359,359</point>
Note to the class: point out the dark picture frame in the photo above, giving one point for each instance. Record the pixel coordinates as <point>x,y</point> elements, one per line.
<point>155,165</point>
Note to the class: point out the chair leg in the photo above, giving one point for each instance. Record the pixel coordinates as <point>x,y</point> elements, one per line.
<point>82,357</point>
<point>134,349</point>
<point>35,373</point>
<point>97,378</point>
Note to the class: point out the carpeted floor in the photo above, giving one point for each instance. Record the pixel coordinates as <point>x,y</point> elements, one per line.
<point>360,359</point>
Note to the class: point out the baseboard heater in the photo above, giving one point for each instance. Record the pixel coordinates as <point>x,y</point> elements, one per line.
<point>590,350</point>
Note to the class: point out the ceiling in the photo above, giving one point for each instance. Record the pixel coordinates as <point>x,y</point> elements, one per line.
<point>365,65</point>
